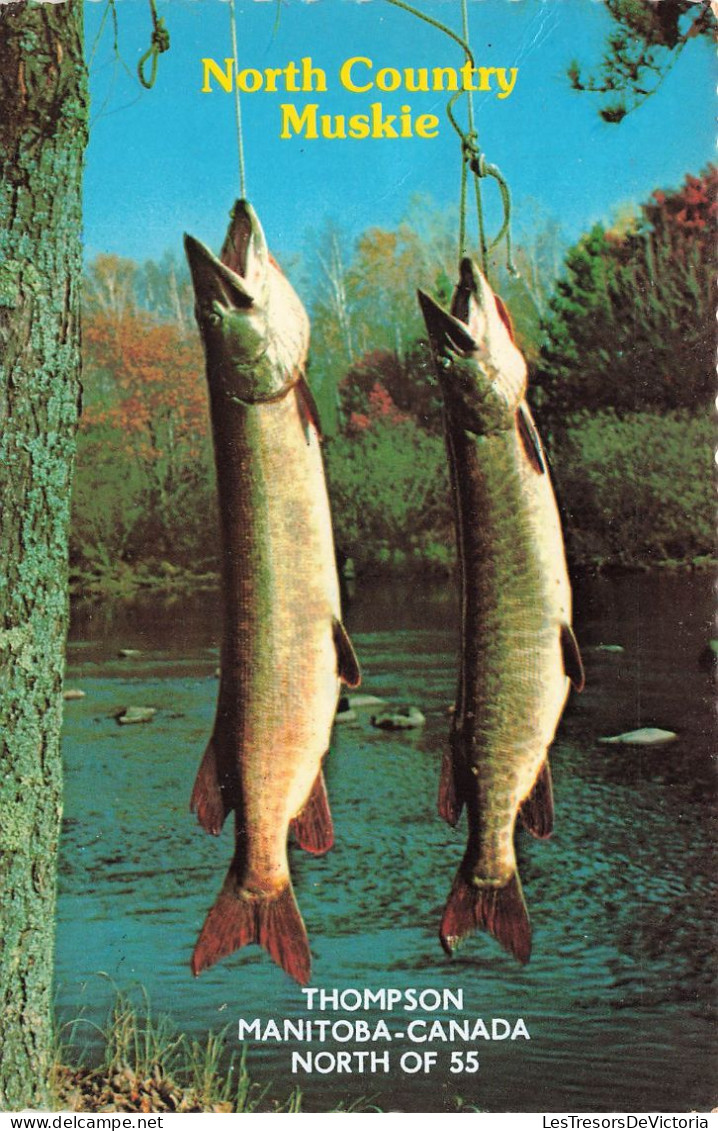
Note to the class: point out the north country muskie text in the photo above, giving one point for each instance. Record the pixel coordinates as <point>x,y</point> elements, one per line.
<point>356,75</point>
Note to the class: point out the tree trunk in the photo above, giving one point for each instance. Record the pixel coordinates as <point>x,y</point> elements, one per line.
<point>42,138</point>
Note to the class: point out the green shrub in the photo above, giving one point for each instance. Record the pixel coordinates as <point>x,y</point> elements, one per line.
<point>389,490</point>
<point>636,490</point>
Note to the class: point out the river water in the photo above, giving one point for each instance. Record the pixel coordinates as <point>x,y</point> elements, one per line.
<point>617,996</point>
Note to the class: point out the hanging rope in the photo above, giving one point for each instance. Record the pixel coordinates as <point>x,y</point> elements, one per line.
<point>159,42</point>
<point>472,159</point>
<point>434,23</point>
<point>472,134</point>
<point>237,106</point>
<point>481,168</point>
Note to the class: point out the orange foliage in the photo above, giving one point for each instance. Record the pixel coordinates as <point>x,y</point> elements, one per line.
<point>159,400</point>
<point>380,406</point>
<point>692,208</point>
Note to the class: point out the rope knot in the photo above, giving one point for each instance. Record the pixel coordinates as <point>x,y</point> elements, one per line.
<point>159,42</point>
<point>478,165</point>
<point>471,153</point>
<point>160,38</point>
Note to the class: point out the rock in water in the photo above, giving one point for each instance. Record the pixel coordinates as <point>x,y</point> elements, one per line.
<point>645,736</point>
<point>364,701</point>
<point>135,715</point>
<point>403,719</point>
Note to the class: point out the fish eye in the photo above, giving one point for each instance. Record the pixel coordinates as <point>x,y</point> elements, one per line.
<point>211,315</point>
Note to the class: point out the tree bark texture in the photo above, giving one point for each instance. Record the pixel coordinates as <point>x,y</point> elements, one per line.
<point>43,123</point>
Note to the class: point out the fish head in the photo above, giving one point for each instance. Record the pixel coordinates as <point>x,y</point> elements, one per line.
<point>254,328</point>
<point>482,373</point>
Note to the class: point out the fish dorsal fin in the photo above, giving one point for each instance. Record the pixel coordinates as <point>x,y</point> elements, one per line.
<point>347,663</point>
<point>572,662</point>
<point>530,439</point>
<point>505,316</point>
<point>451,799</point>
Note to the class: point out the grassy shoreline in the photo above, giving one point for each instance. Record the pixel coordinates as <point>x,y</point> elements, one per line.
<point>147,1066</point>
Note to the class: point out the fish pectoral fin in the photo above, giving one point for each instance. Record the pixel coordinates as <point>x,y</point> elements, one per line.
<point>208,799</point>
<point>572,662</point>
<point>238,918</point>
<point>529,436</point>
<point>312,827</point>
<point>308,408</point>
<point>500,911</point>
<point>505,316</point>
<point>347,663</point>
<point>536,810</point>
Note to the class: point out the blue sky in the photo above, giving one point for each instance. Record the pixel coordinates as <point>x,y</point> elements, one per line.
<point>164,161</point>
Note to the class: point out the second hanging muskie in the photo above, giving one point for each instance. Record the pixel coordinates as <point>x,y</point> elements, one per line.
<point>518,648</point>
<point>284,649</point>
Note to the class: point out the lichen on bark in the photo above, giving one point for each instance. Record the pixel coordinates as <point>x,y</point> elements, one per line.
<point>42,141</point>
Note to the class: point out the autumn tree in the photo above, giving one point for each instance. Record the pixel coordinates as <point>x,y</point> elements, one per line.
<point>362,296</point>
<point>380,384</point>
<point>114,287</point>
<point>147,410</point>
<point>631,324</point>
<point>42,138</point>
<point>109,286</point>
<point>164,288</point>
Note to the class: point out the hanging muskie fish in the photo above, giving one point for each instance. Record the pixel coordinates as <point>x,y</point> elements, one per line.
<point>517,643</point>
<point>284,649</point>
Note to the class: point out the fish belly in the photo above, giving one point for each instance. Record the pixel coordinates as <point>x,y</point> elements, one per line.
<point>279,683</point>
<point>279,677</point>
<point>515,597</point>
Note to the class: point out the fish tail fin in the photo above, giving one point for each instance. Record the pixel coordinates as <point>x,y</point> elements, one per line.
<point>238,918</point>
<point>312,827</point>
<point>500,911</point>
<point>208,799</point>
<point>450,801</point>
<point>536,810</point>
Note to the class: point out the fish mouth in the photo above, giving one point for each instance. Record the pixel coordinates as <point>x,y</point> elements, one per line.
<point>447,333</point>
<point>236,278</point>
<point>469,286</point>
<point>244,242</point>
<point>214,281</point>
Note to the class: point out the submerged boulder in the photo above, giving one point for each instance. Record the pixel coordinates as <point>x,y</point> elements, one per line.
<point>402,718</point>
<point>644,736</point>
<point>365,701</point>
<point>128,715</point>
